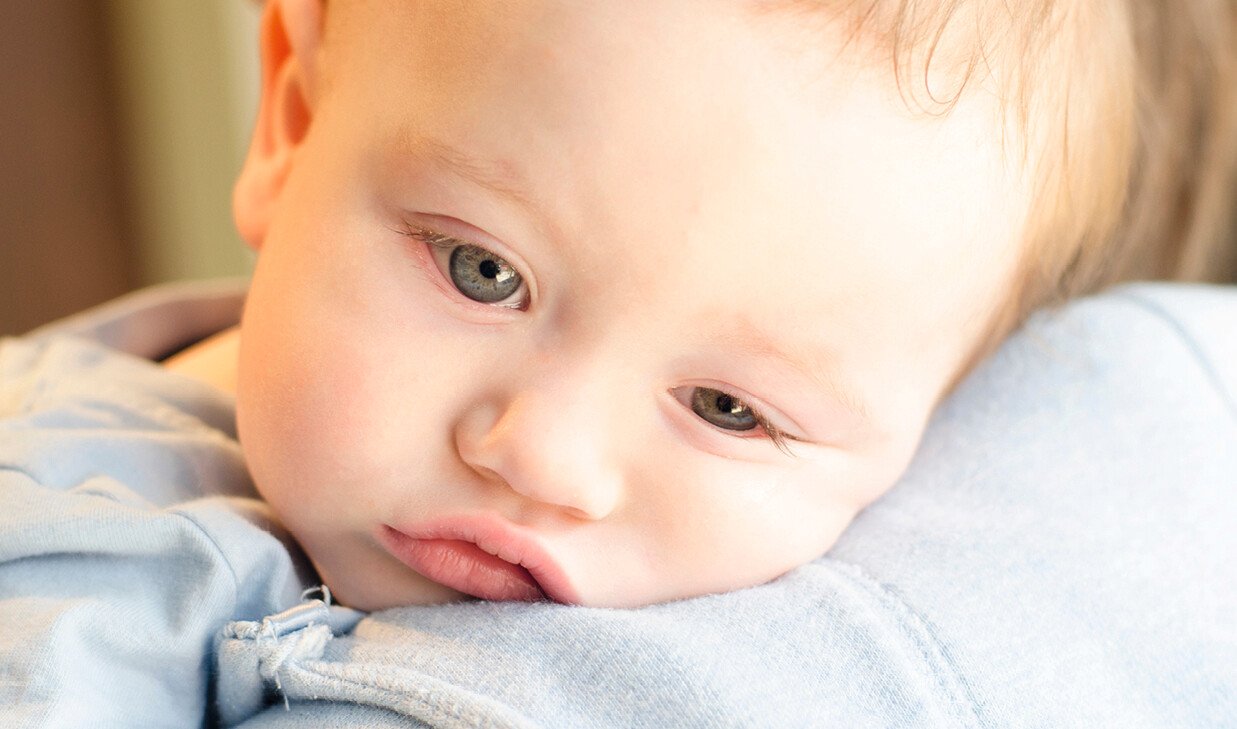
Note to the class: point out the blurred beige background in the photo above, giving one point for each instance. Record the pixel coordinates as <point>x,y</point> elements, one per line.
<point>122,125</point>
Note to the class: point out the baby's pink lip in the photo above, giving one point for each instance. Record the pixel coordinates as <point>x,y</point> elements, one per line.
<point>482,556</point>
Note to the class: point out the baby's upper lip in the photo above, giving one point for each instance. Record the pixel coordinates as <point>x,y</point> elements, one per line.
<point>510,542</point>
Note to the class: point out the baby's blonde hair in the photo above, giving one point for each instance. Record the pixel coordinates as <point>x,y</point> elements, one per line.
<point>1127,115</point>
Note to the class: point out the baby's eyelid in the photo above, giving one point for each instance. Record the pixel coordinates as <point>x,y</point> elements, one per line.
<point>452,232</point>
<point>774,434</point>
<point>442,245</point>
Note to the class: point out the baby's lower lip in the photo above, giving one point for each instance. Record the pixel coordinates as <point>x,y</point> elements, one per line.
<point>465,567</point>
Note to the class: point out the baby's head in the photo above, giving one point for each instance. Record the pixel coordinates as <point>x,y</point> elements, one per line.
<point>616,303</point>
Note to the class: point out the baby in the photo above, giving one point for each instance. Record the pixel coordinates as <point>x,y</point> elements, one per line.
<point>618,303</point>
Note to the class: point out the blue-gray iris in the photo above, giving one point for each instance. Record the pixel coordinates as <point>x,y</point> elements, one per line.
<point>482,276</point>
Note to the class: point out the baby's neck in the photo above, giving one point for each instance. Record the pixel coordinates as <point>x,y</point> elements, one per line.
<point>212,360</point>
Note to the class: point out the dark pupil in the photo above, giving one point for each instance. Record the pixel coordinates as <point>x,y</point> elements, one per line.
<point>482,276</point>
<point>722,410</point>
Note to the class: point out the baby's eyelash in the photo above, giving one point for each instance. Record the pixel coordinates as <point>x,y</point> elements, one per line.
<point>429,237</point>
<point>778,438</point>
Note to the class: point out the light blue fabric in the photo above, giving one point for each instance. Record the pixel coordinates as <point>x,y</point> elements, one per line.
<point>1061,553</point>
<point>129,533</point>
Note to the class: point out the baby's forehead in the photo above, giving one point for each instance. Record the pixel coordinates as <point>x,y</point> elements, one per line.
<point>671,33</point>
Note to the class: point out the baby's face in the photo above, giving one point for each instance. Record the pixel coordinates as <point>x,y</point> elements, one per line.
<point>610,303</point>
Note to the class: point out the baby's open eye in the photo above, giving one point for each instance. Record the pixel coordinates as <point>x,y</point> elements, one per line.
<point>723,410</point>
<point>481,275</point>
<point>728,412</point>
<point>476,272</point>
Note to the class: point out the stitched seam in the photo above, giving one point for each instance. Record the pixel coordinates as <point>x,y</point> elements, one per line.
<point>213,544</point>
<point>395,698</point>
<point>223,556</point>
<point>949,679</point>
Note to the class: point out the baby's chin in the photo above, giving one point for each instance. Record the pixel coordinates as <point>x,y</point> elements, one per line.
<point>378,587</point>
<point>415,591</point>
<point>370,602</point>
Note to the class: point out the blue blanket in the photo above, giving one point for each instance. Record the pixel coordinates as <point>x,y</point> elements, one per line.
<point>1061,553</point>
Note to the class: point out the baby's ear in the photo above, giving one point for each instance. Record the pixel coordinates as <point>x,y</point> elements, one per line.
<point>291,34</point>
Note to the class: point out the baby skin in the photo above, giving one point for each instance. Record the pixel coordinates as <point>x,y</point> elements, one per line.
<point>602,303</point>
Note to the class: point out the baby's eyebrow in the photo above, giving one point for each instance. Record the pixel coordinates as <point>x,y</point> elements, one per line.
<point>498,176</point>
<point>741,334</point>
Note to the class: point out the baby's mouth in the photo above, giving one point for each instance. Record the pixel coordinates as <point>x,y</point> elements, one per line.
<point>466,568</point>
<point>485,558</point>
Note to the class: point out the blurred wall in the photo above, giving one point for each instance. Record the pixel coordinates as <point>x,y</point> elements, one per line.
<point>64,231</point>
<point>187,83</point>
<point>122,126</point>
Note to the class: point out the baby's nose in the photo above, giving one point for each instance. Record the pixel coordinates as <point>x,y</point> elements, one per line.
<point>546,450</point>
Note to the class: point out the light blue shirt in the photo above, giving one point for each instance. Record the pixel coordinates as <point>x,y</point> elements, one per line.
<point>1061,553</point>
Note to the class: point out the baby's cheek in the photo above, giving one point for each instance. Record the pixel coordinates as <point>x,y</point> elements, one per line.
<point>302,419</point>
<point>749,525</point>
<point>801,515</point>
